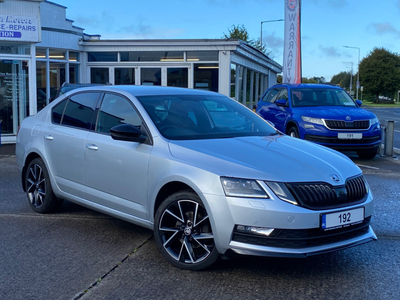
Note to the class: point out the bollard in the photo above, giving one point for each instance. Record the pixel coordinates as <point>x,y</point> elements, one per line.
<point>389,137</point>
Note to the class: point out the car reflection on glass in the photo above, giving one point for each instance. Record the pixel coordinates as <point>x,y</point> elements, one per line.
<point>204,172</point>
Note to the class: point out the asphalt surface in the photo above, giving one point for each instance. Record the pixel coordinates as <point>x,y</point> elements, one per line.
<point>389,114</point>
<point>80,254</point>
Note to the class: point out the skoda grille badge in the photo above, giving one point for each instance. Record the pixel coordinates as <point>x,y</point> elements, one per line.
<point>335,178</point>
<point>348,118</point>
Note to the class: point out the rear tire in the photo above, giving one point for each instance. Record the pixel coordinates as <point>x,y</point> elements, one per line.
<point>38,188</point>
<point>367,154</point>
<point>183,233</point>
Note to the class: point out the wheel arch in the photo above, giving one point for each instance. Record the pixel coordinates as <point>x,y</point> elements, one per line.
<point>31,156</point>
<point>291,124</point>
<point>169,189</point>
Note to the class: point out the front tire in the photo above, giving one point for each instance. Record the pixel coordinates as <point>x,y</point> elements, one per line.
<point>293,132</point>
<point>38,188</point>
<point>367,154</point>
<point>183,232</point>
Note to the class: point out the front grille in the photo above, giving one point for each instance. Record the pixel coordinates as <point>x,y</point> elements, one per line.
<point>318,196</point>
<point>302,238</point>
<point>335,140</point>
<point>337,124</point>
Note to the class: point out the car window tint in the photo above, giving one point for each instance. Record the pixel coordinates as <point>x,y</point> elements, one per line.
<point>116,110</point>
<point>58,111</point>
<point>80,109</point>
<point>283,95</point>
<point>271,95</point>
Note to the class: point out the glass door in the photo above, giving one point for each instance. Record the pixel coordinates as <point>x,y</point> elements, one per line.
<point>14,94</point>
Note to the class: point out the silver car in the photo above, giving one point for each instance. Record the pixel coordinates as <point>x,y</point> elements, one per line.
<point>203,171</point>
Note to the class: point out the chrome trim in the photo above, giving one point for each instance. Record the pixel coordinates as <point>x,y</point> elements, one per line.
<point>348,129</point>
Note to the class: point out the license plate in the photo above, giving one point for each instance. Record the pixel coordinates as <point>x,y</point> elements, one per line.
<point>342,219</point>
<point>349,136</point>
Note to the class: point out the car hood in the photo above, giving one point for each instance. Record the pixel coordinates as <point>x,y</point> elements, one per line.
<point>274,158</point>
<point>334,112</point>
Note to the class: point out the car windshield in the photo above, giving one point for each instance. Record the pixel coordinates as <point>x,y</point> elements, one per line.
<point>189,117</point>
<point>321,97</point>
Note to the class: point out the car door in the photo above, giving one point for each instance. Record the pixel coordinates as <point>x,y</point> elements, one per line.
<point>64,140</point>
<point>116,171</point>
<point>265,104</point>
<point>281,113</point>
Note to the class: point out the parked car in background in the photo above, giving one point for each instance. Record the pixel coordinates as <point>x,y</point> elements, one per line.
<point>204,172</point>
<point>323,114</point>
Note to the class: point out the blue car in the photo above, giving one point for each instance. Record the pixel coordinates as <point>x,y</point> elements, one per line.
<point>323,114</point>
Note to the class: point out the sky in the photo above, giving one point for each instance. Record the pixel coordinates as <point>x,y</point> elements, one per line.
<point>326,25</point>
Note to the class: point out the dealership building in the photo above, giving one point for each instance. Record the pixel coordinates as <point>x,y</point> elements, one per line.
<point>40,49</point>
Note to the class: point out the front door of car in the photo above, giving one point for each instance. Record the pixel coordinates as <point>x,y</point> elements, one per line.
<point>116,171</point>
<point>279,113</point>
<point>64,141</point>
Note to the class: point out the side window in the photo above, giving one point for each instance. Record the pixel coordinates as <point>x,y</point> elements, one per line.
<point>283,95</point>
<point>270,96</point>
<point>116,110</point>
<point>80,109</point>
<point>57,112</point>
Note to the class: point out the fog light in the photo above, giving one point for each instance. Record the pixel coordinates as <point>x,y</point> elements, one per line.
<point>309,126</point>
<point>254,230</point>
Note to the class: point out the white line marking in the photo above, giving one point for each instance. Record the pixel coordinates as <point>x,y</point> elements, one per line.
<point>368,167</point>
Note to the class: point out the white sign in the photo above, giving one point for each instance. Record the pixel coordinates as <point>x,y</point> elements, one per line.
<point>19,28</point>
<point>292,43</point>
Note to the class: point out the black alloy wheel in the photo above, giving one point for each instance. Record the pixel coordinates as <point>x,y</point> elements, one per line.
<point>38,188</point>
<point>183,232</point>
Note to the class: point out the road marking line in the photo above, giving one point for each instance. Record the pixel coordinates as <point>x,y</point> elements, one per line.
<point>368,167</point>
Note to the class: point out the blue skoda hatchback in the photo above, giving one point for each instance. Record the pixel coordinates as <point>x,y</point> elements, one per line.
<point>323,114</point>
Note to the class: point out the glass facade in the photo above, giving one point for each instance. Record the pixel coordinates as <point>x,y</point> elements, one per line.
<point>124,76</point>
<point>150,76</point>
<point>152,56</point>
<point>99,75</point>
<point>14,94</point>
<point>206,77</point>
<point>177,77</point>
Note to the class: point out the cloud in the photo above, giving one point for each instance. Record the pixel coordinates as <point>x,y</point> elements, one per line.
<point>330,51</point>
<point>104,22</point>
<point>274,44</point>
<point>383,28</point>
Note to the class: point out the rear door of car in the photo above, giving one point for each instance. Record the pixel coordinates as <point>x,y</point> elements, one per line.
<point>280,113</point>
<point>116,171</point>
<point>64,140</point>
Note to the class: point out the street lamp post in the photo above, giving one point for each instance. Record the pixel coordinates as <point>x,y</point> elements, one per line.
<point>358,69</point>
<point>267,22</point>
<point>351,76</point>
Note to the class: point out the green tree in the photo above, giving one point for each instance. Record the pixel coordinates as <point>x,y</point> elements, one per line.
<point>343,80</point>
<point>380,73</point>
<point>313,79</point>
<point>240,32</point>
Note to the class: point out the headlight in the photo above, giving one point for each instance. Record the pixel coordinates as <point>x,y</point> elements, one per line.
<point>246,188</point>
<point>312,120</point>
<point>281,191</point>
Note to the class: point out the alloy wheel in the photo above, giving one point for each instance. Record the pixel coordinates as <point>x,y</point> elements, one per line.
<point>185,232</point>
<point>36,185</point>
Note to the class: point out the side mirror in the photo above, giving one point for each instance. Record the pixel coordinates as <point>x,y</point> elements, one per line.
<point>359,103</point>
<point>127,132</point>
<point>281,102</point>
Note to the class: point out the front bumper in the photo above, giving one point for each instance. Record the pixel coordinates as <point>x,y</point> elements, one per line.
<point>258,250</point>
<point>297,230</point>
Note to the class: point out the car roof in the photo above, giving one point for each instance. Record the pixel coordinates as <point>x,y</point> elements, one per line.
<point>140,90</point>
<point>308,85</point>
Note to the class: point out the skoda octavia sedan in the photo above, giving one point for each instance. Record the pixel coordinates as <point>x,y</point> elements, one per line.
<point>323,114</point>
<point>205,173</point>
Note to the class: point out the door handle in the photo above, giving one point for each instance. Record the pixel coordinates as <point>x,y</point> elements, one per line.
<point>48,137</point>
<point>92,147</point>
